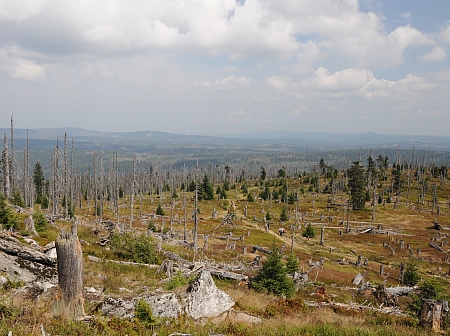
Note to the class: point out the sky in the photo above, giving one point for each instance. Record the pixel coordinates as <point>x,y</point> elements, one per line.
<point>215,67</point>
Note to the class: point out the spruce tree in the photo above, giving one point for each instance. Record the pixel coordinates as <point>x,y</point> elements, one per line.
<point>272,278</point>
<point>309,232</point>
<point>357,184</point>
<point>291,264</point>
<point>284,215</point>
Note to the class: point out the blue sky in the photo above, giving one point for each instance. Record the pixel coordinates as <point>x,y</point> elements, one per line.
<point>226,66</point>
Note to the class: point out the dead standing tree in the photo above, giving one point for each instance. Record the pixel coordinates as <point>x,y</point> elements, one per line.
<point>69,300</point>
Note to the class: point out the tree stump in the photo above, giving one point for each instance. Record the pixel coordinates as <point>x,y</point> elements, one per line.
<point>432,313</point>
<point>69,300</point>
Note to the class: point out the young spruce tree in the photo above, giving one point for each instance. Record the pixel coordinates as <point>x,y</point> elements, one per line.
<point>272,278</point>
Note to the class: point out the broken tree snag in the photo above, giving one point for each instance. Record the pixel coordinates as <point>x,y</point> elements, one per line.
<point>69,300</point>
<point>432,313</point>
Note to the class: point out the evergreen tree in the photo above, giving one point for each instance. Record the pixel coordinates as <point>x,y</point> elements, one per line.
<point>291,264</point>
<point>39,182</point>
<point>265,194</point>
<point>411,276</point>
<point>17,198</point>
<point>206,189</point>
<point>357,185</point>
<point>272,278</point>
<point>7,218</point>
<point>262,175</point>
<point>284,215</point>
<point>160,211</point>
<point>309,232</point>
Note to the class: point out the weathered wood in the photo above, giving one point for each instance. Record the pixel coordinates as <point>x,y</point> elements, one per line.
<point>69,300</point>
<point>432,312</point>
<point>128,263</point>
<point>261,249</point>
<point>227,275</point>
<point>16,249</point>
<point>436,247</point>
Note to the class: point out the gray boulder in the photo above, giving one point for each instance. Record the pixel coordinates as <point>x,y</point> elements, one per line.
<point>204,299</point>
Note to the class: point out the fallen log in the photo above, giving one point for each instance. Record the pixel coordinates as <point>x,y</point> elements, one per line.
<point>436,247</point>
<point>261,249</point>
<point>129,263</point>
<point>16,249</point>
<point>227,275</point>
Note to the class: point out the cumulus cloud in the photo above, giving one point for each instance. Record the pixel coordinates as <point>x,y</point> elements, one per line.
<point>350,82</point>
<point>345,80</point>
<point>254,27</point>
<point>20,68</point>
<point>232,83</point>
<point>438,54</point>
<point>445,34</point>
<point>298,110</point>
<point>18,11</point>
<point>28,71</point>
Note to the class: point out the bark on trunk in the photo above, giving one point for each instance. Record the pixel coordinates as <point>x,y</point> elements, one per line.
<point>69,301</point>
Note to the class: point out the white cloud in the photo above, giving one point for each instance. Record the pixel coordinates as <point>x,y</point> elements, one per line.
<point>350,82</point>
<point>20,68</point>
<point>438,54</point>
<point>345,80</point>
<point>276,82</point>
<point>232,83</point>
<point>202,84</point>
<point>298,110</point>
<point>406,15</point>
<point>256,27</point>
<point>445,34</point>
<point>18,11</point>
<point>27,70</point>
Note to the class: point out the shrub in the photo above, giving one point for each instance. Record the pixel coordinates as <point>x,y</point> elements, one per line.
<point>139,248</point>
<point>178,280</point>
<point>428,289</point>
<point>7,217</point>
<point>144,313</point>
<point>40,222</point>
<point>160,210</point>
<point>17,198</point>
<point>151,226</point>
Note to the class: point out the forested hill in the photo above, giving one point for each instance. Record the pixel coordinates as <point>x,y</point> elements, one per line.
<point>145,141</point>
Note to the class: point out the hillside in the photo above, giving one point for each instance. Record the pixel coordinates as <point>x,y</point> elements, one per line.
<point>399,228</point>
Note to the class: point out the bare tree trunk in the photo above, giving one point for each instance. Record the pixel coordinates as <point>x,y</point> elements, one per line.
<point>132,192</point>
<point>69,301</point>
<point>66,180</point>
<point>13,170</point>
<point>6,177</point>
<point>195,209</point>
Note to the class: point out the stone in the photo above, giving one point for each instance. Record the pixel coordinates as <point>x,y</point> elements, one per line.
<point>204,299</point>
<point>165,305</point>
<point>118,307</point>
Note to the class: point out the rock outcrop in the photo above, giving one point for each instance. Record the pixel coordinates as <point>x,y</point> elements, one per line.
<point>202,299</point>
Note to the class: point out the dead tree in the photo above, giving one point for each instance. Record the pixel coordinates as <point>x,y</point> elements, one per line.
<point>5,168</point>
<point>69,300</point>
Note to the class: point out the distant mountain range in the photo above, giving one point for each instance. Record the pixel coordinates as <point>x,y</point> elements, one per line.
<point>45,139</point>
